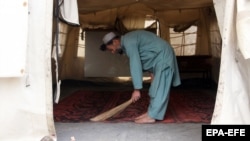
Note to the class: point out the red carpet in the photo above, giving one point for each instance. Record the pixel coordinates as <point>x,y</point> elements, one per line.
<point>184,106</point>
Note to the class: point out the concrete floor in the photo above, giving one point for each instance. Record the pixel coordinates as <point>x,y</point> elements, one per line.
<point>124,131</point>
<point>129,131</point>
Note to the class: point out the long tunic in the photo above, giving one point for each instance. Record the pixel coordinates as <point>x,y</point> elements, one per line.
<point>147,52</point>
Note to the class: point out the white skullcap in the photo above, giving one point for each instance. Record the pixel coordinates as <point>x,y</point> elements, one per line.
<point>108,37</point>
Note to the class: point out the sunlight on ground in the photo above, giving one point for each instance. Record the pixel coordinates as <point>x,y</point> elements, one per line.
<point>129,78</point>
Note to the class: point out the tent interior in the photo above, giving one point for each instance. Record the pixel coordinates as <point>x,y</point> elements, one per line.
<point>190,26</point>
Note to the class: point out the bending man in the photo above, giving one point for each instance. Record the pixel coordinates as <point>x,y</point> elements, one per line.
<point>147,52</point>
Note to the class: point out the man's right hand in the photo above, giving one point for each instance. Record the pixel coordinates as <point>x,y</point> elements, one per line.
<point>136,95</point>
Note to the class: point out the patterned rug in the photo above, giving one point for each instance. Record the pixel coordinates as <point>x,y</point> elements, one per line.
<point>193,106</point>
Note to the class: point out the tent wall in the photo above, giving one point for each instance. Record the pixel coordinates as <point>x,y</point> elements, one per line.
<point>233,95</point>
<point>73,67</point>
<point>215,44</point>
<point>13,65</point>
<point>26,101</point>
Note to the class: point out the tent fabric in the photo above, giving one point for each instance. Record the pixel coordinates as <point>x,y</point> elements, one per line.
<point>132,13</point>
<point>26,102</point>
<point>89,6</point>
<point>69,11</point>
<point>233,99</point>
<point>97,15</point>
<point>242,27</point>
<point>71,66</point>
<point>13,54</point>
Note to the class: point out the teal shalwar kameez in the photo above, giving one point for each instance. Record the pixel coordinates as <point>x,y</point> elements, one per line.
<point>148,52</point>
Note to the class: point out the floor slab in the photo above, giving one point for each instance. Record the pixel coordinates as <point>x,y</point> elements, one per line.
<point>128,131</point>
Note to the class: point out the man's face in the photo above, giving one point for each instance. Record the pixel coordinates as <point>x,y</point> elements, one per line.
<point>113,47</point>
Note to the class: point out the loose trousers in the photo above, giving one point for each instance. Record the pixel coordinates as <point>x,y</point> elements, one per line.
<point>159,93</point>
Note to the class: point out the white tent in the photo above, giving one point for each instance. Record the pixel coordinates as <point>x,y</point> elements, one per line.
<point>232,103</point>
<point>27,72</point>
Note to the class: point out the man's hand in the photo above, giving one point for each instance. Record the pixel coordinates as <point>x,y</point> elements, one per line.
<point>136,95</point>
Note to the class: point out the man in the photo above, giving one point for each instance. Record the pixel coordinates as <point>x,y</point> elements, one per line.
<point>147,52</point>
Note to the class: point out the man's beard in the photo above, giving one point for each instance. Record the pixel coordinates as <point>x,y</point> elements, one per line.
<point>119,51</point>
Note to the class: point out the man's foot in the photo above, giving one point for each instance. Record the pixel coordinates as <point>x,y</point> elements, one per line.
<point>145,119</point>
<point>141,116</point>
